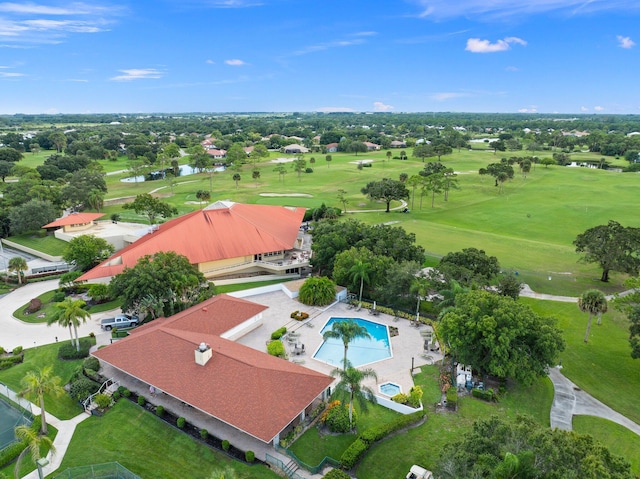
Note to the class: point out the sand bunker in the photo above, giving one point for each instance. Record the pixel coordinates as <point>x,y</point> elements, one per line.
<point>361,161</point>
<point>283,160</point>
<point>302,195</point>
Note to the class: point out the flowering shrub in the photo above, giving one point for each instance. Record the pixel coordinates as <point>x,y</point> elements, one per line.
<point>330,406</point>
<point>415,396</point>
<point>337,418</point>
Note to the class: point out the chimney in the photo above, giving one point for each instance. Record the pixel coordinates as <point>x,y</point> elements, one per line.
<point>203,354</point>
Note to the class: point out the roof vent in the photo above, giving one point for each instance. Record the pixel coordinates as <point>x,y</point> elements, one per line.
<point>203,354</point>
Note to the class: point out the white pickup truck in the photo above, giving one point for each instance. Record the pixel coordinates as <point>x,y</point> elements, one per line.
<point>417,472</point>
<point>120,321</point>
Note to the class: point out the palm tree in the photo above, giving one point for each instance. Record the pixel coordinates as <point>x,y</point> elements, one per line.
<point>592,301</point>
<point>360,271</point>
<point>34,442</point>
<point>420,286</point>
<point>68,313</point>
<point>37,384</point>
<point>203,196</point>
<point>95,198</point>
<point>18,264</point>
<point>226,473</point>
<point>350,387</point>
<point>236,178</point>
<point>347,331</point>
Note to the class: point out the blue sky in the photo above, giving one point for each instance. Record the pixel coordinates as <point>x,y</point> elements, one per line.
<point>545,56</point>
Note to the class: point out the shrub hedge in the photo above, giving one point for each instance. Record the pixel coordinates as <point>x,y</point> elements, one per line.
<point>11,452</point>
<point>180,422</point>
<point>276,348</point>
<point>365,440</point>
<point>336,474</point>
<point>250,456</point>
<point>488,395</point>
<point>278,333</point>
<point>68,351</point>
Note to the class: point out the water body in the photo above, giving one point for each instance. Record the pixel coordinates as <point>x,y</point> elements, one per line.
<point>183,170</point>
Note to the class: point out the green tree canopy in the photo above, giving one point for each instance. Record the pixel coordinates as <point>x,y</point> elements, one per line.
<point>151,207</point>
<point>81,185</point>
<point>317,291</point>
<point>345,267</point>
<point>613,246</point>
<point>331,237</point>
<point>387,190</point>
<point>502,448</point>
<point>18,264</point>
<point>592,301</point>
<point>32,216</point>
<point>87,251</point>
<point>469,266</point>
<point>70,313</point>
<point>166,276</point>
<point>499,336</point>
<point>10,154</point>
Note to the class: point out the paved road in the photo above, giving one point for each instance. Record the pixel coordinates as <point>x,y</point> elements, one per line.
<point>14,332</point>
<point>569,400</point>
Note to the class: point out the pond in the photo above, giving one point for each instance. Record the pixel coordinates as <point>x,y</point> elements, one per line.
<point>183,170</point>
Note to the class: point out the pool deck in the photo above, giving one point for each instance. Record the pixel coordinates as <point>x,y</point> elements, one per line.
<point>406,347</point>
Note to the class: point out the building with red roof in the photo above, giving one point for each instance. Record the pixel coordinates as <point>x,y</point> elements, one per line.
<point>224,240</point>
<point>192,357</point>
<point>75,221</point>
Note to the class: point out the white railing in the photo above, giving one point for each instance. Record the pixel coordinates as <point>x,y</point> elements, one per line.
<point>86,404</point>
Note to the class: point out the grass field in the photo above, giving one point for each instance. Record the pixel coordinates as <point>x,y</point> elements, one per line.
<point>62,407</point>
<point>148,447</point>
<point>618,439</point>
<point>530,227</point>
<point>603,367</point>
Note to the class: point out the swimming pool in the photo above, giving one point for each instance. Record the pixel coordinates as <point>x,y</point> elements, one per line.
<point>361,350</point>
<point>390,389</point>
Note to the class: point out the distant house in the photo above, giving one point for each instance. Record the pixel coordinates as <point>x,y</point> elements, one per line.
<point>75,222</point>
<point>332,147</point>
<point>295,149</point>
<point>192,357</point>
<point>398,144</point>
<point>371,146</point>
<point>217,154</point>
<point>223,240</point>
<point>248,149</point>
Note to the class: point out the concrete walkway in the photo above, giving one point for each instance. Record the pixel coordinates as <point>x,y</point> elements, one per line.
<point>569,400</point>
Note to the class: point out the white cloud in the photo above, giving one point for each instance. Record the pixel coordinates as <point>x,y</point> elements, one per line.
<point>475,45</point>
<point>76,8</point>
<point>444,96</point>
<point>512,69</point>
<point>235,62</point>
<point>379,106</point>
<point>598,108</point>
<point>210,62</point>
<point>625,42</point>
<point>584,108</point>
<point>11,74</point>
<point>326,46</point>
<point>531,109</point>
<point>333,109</point>
<point>137,74</point>
<point>503,10</point>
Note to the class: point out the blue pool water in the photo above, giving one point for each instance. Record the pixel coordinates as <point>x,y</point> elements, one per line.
<point>390,389</point>
<point>361,350</point>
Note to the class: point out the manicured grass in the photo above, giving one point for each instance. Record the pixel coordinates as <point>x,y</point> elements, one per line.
<point>48,309</point>
<point>47,244</point>
<point>312,447</point>
<point>230,288</point>
<point>618,439</point>
<point>421,445</point>
<point>28,464</point>
<point>603,367</point>
<point>62,407</point>
<point>148,447</point>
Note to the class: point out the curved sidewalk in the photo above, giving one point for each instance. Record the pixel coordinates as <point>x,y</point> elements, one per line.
<point>569,400</point>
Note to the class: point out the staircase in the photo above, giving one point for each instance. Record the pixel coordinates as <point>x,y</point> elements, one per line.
<point>290,468</point>
<point>108,387</point>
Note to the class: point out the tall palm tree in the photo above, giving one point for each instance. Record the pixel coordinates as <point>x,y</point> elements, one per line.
<point>420,286</point>
<point>360,271</point>
<point>18,264</point>
<point>347,331</point>
<point>592,301</point>
<point>37,384</point>
<point>68,313</point>
<point>34,442</point>
<point>350,387</point>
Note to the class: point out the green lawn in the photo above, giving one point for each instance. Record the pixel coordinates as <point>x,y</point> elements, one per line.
<point>312,447</point>
<point>148,447</point>
<point>617,438</point>
<point>394,456</point>
<point>230,288</point>
<point>48,309</point>
<point>47,244</point>
<point>603,367</point>
<point>62,407</point>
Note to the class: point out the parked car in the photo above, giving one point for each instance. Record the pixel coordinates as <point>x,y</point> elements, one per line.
<point>120,321</point>
<point>417,472</point>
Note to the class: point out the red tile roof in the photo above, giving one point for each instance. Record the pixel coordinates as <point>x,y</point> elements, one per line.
<point>220,231</point>
<point>248,389</point>
<point>75,219</point>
